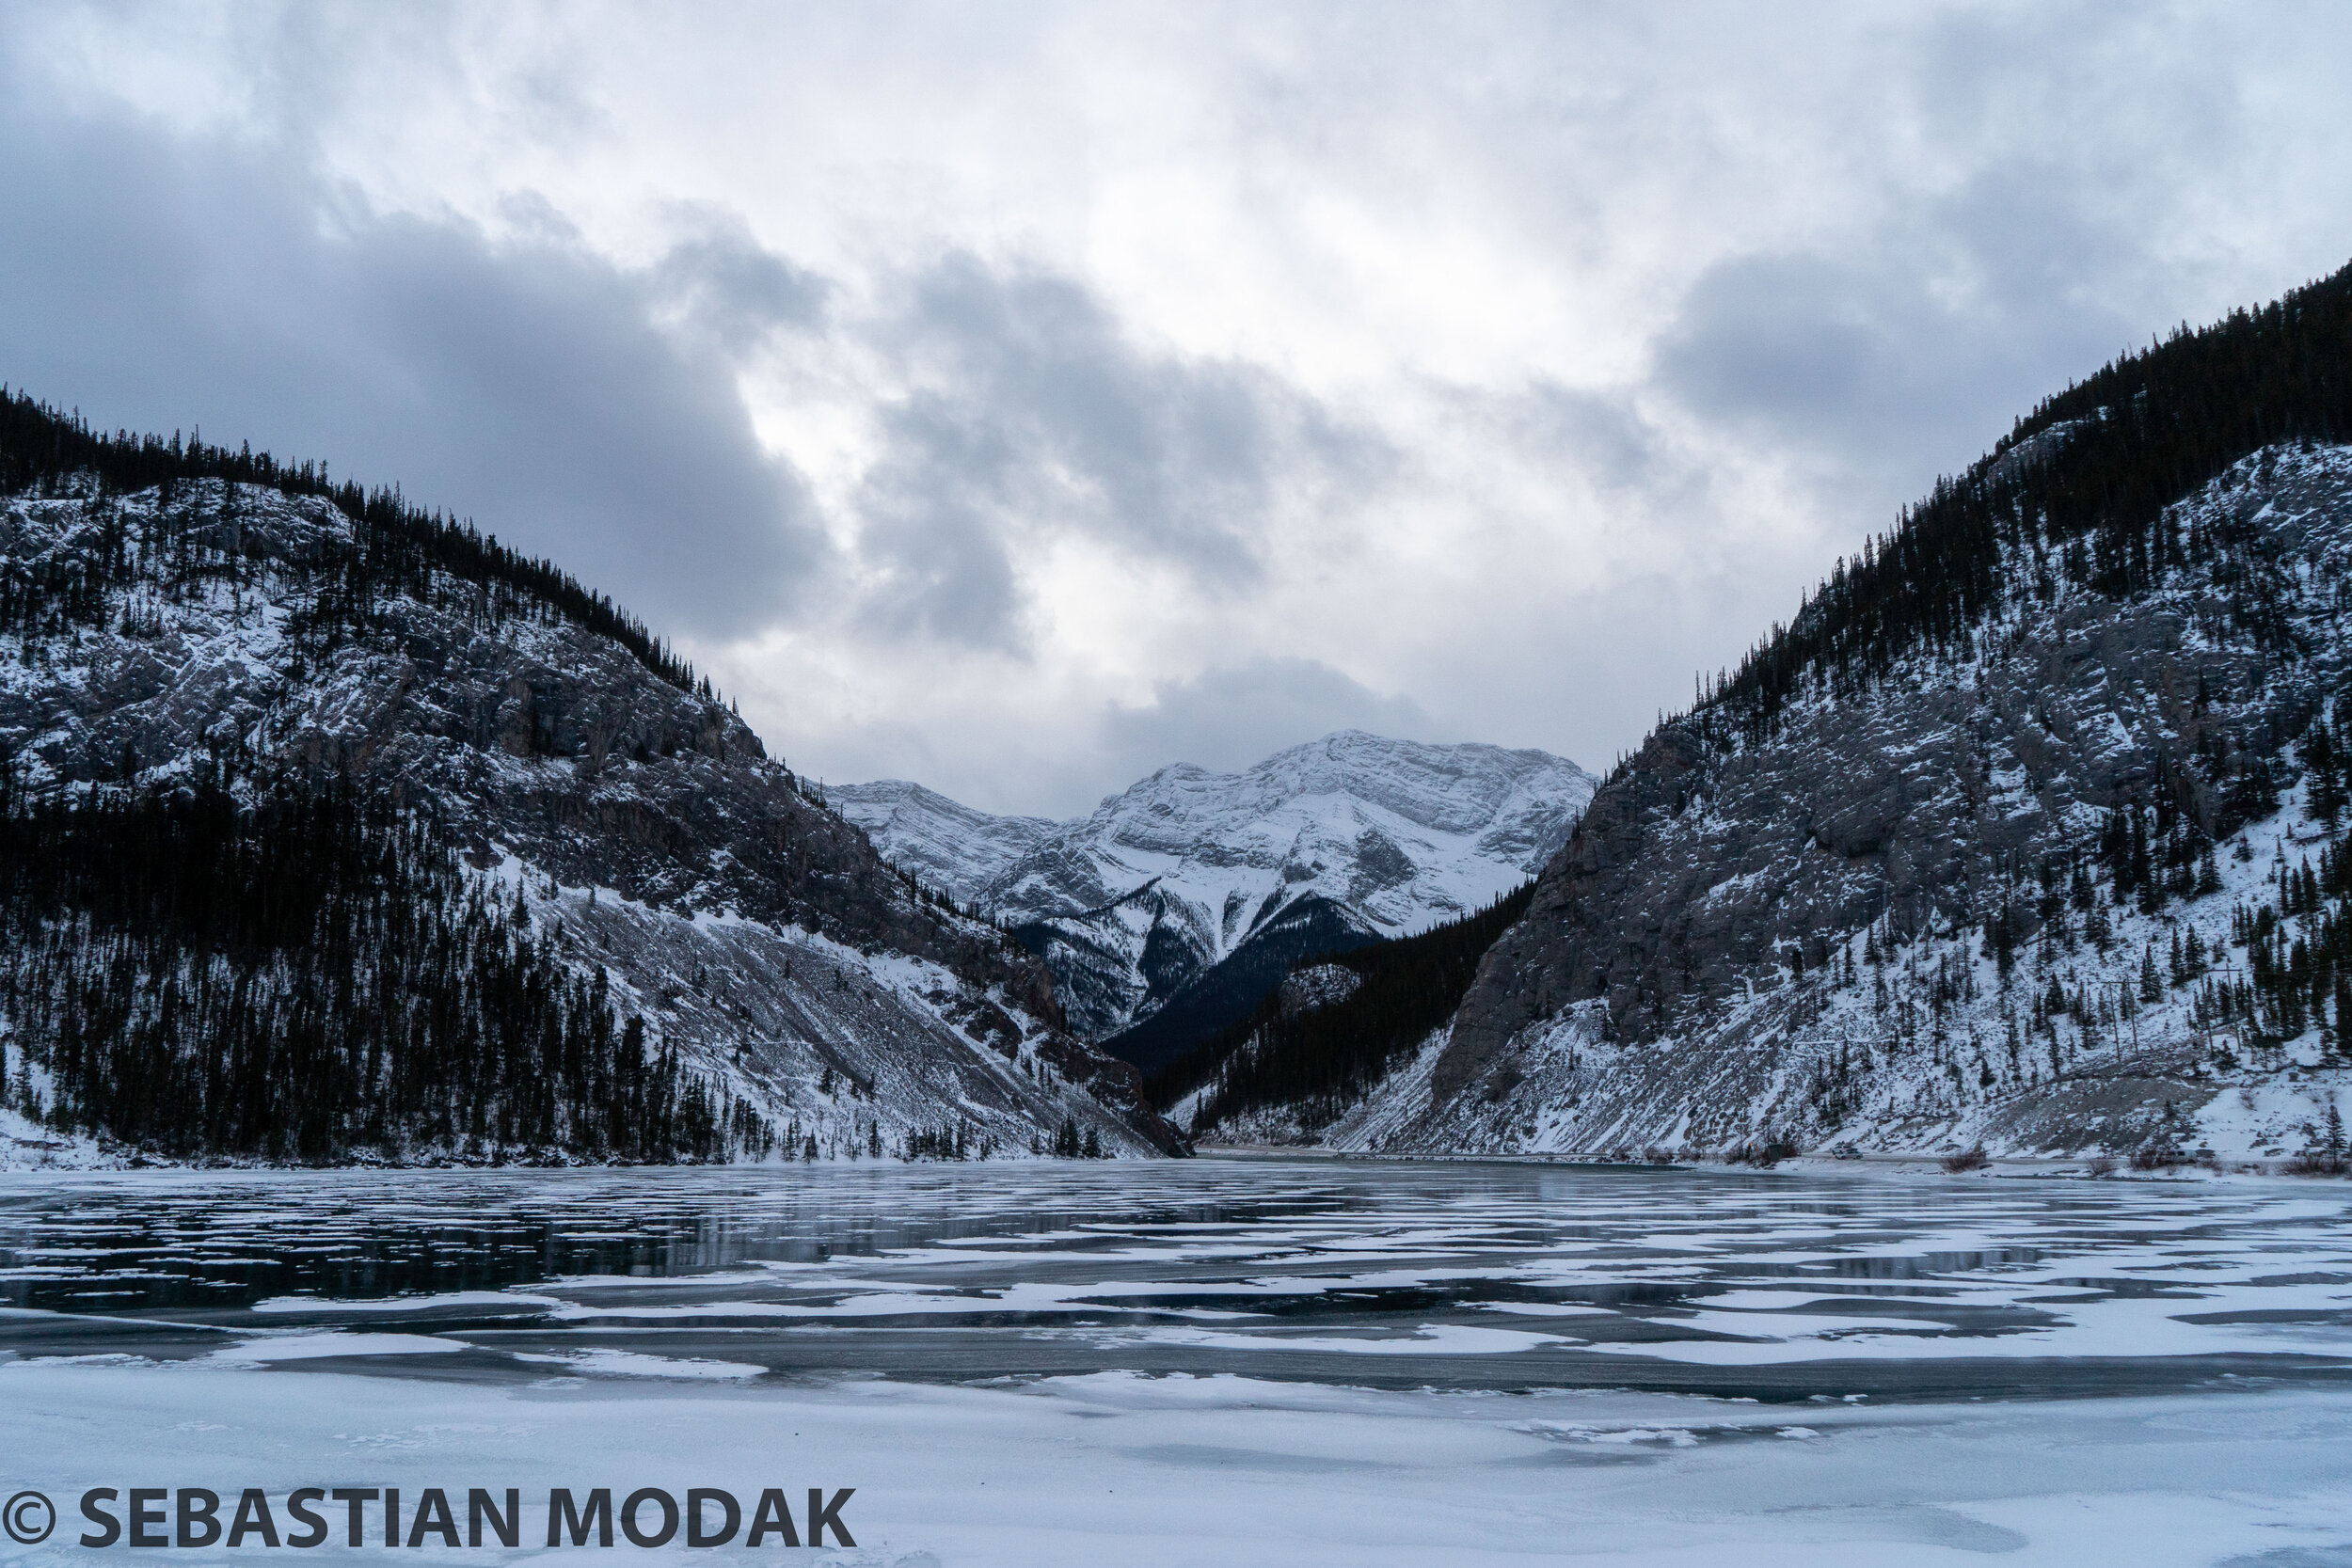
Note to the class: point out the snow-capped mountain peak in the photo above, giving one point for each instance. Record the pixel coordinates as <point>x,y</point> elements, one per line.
<point>1173,874</point>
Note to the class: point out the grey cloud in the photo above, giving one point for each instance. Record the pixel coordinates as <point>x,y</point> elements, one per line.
<point>1610,442</point>
<point>736,290</point>
<point>1869,365</point>
<point>2072,138</point>
<point>1172,458</point>
<point>1233,714</point>
<point>1606,440</point>
<point>162,284</point>
<point>1034,413</point>
<point>940,551</point>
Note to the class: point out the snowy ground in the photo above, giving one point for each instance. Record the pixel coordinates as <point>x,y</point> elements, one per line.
<point>1229,1361</point>
<point>1114,1468</point>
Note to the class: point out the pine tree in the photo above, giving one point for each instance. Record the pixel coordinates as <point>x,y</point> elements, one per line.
<point>2002,939</point>
<point>2326,793</point>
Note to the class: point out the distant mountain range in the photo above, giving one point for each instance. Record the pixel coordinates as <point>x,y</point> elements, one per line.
<point>1183,898</point>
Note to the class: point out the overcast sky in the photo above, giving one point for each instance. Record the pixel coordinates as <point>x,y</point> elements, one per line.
<point>1017,398</point>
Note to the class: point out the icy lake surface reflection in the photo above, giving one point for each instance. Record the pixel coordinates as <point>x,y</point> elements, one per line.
<point>1465,1277</point>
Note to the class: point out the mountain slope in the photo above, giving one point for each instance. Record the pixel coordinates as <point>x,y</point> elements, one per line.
<point>948,845</point>
<point>1344,840</point>
<point>1214,998</point>
<point>2026,832</point>
<point>229,625</point>
<point>1331,1032</point>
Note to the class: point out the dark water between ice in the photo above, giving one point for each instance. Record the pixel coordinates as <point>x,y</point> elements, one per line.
<point>1450,1276</point>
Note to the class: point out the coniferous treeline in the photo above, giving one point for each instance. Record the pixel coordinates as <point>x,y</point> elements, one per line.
<point>400,545</point>
<point>1324,1060</point>
<point>308,974</point>
<point>2140,434</point>
<point>2298,973</point>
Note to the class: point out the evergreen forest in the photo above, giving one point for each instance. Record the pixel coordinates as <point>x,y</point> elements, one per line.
<point>1321,1061</point>
<point>2081,486</point>
<point>311,975</point>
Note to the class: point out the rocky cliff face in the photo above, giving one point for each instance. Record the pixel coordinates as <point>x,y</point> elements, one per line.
<point>1352,837</point>
<point>758,932</point>
<point>1950,905</point>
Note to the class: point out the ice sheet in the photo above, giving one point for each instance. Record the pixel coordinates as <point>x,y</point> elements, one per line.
<point>1180,1470</point>
<point>1292,1362</point>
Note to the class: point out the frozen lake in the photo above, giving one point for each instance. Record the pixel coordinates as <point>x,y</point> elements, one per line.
<point>1237,1360</point>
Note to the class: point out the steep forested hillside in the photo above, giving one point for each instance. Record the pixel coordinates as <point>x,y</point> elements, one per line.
<point>1916,874</point>
<point>2081,488</point>
<point>306,975</point>
<point>400,547</point>
<point>340,832</point>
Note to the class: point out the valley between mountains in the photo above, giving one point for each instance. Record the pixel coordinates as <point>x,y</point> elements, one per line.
<point>338,833</point>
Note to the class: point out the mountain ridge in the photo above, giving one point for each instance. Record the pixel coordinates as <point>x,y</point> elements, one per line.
<point>1170,877</point>
<point>2026,832</point>
<point>164,620</point>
